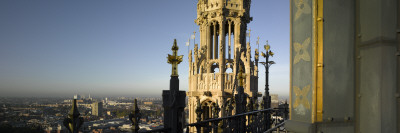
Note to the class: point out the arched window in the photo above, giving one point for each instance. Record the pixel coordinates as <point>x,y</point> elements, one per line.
<point>207,108</point>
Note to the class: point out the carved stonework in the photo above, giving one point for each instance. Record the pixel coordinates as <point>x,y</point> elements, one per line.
<point>213,76</point>
<point>207,93</point>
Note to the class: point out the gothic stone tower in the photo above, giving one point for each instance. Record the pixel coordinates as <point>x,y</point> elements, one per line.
<point>214,65</point>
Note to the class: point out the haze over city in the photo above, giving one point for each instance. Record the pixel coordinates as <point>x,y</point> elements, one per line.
<point>117,48</point>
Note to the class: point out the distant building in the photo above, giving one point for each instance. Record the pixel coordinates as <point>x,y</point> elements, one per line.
<point>148,103</point>
<point>67,101</point>
<point>97,108</point>
<point>77,97</point>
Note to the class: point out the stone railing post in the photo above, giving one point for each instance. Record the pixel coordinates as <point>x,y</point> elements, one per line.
<point>173,99</point>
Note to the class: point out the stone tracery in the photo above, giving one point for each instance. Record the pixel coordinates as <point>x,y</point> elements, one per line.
<point>223,25</point>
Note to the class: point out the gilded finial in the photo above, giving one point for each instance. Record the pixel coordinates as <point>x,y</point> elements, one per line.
<point>268,51</point>
<point>174,47</point>
<point>174,59</point>
<point>266,46</point>
<point>256,54</point>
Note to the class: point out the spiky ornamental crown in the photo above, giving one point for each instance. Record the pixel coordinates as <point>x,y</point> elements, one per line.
<point>208,9</point>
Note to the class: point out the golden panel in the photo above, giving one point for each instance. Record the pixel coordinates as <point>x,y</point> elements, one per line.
<point>317,113</point>
<point>320,61</point>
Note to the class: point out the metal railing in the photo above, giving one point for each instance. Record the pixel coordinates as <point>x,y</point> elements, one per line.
<point>251,122</point>
<point>277,128</point>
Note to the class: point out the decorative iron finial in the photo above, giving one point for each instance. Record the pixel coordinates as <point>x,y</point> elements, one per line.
<point>255,105</point>
<point>250,105</point>
<point>73,122</point>
<point>216,110</point>
<point>134,117</point>
<point>268,51</point>
<point>262,103</point>
<point>174,59</point>
<point>267,54</point>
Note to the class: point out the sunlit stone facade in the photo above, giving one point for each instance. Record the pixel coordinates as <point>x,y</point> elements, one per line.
<point>215,62</point>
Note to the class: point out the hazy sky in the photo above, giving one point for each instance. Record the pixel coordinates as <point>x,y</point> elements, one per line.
<point>116,47</point>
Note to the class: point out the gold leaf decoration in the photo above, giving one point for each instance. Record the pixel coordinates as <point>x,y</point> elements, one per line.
<point>301,51</point>
<point>301,96</point>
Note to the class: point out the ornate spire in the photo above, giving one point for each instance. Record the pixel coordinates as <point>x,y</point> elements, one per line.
<point>134,117</point>
<point>174,59</point>
<point>74,110</point>
<point>73,122</point>
<point>256,55</point>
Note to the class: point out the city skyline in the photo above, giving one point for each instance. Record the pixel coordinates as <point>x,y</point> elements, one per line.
<point>104,48</point>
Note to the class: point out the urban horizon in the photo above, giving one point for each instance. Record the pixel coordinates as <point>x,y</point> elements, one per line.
<point>47,49</point>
